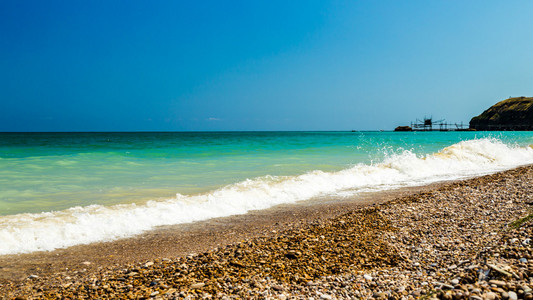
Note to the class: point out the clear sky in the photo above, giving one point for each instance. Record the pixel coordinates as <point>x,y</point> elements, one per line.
<point>257,65</point>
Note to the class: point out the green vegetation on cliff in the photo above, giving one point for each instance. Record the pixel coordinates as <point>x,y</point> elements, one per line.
<point>510,114</point>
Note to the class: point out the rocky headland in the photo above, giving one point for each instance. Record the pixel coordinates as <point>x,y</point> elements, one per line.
<point>509,114</point>
<point>469,239</point>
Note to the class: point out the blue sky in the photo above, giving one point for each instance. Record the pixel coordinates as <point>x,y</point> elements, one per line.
<point>257,65</point>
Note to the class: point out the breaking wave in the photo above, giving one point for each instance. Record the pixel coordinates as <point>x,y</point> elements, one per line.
<point>25,233</point>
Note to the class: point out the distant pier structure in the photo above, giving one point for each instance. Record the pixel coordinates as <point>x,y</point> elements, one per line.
<point>427,124</point>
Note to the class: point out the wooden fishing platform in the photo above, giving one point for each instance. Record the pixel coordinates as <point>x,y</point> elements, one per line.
<point>427,124</point>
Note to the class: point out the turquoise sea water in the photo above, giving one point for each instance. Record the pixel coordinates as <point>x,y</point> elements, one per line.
<point>72,178</point>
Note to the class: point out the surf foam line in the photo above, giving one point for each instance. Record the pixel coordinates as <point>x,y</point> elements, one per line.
<point>24,233</point>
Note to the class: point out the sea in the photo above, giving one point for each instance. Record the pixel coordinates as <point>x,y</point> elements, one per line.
<point>64,189</point>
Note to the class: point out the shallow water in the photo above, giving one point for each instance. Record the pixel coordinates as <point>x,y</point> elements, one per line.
<point>63,189</point>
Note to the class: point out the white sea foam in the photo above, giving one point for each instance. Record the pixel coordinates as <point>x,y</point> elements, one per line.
<point>81,225</point>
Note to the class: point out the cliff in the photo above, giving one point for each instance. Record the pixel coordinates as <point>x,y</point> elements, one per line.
<point>510,114</point>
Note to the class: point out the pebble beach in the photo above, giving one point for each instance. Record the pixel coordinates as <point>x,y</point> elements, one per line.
<point>468,239</point>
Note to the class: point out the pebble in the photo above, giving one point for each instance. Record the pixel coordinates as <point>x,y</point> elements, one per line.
<point>197,285</point>
<point>277,287</point>
<point>443,285</point>
<point>490,296</point>
<point>498,282</point>
<point>149,264</point>
<point>513,295</point>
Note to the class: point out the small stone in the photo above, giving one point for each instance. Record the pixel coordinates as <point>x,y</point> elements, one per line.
<point>513,295</point>
<point>498,282</point>
<point>148,264</point>
<point>86,263</point>
<point>490,296</point>
<point>154,294</point>
<point>505,295</point>
<point>443,285</point>
<point>197,285</point>
<point>473,297</point>
<point>277,287</point>
<point>455,281</point>
<point>325,296</point>
<point>33,276</point>
<point>368,277</point>
<point>523,260</point>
